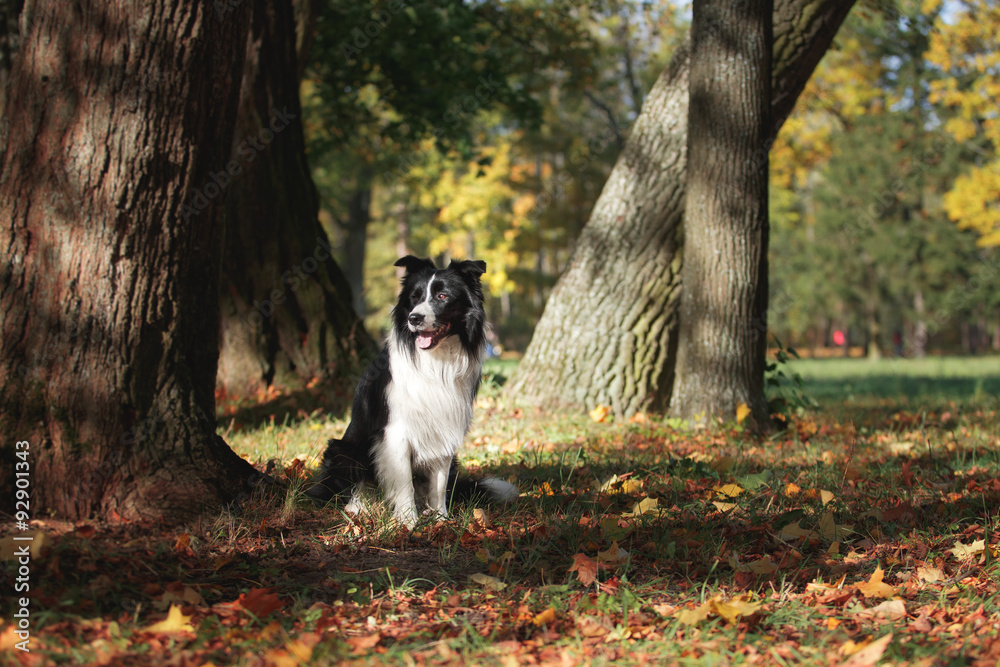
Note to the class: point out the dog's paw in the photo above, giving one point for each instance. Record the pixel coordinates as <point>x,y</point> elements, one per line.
<point>406,517</point>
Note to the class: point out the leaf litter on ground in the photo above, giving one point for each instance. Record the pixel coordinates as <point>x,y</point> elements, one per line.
<point>634,541</point>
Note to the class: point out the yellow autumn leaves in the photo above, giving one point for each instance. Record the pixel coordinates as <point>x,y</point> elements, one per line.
<point>966,48</point>
<point>603,413</point>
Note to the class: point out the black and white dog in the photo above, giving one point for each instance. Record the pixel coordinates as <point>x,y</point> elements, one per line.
<point>413,405</point>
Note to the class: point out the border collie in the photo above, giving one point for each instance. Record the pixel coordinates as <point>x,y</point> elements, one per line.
<point>413,405</point>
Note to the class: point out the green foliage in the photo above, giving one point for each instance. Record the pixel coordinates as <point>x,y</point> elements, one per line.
<point>786,395</point>
<point>425,68</point>
<point>509,176</point>
<point>862,238</point>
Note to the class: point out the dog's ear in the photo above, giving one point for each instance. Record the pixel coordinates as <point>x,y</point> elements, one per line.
<point>413,264</point>
<point>470,267</point>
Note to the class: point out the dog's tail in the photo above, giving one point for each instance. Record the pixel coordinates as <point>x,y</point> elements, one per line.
<point>490,489</point>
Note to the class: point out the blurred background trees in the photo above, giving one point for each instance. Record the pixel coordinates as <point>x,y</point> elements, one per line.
<point>868,236</point>
<point>883,186</point>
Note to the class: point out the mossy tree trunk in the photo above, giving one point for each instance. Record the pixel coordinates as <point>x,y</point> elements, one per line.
<point>608,334</point>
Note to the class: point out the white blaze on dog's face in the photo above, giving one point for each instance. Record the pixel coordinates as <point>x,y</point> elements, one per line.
<point>426,317</point>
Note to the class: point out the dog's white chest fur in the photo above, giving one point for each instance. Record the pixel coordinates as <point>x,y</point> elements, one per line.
<point>430,400</point>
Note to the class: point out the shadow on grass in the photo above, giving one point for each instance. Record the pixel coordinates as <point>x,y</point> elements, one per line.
<point>289,408</point>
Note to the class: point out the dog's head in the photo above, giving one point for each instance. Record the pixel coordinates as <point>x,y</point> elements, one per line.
<point>437,303</point>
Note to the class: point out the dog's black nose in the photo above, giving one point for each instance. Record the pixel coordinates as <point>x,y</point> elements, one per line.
<point>415,319</point>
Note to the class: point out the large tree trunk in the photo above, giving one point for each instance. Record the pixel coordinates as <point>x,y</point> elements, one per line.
<point>722,344</point>
<point>110,266</point>
<point>608,334</point>
<point>286,307</point>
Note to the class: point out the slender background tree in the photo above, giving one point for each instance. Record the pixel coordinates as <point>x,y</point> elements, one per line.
<point>722,343</point>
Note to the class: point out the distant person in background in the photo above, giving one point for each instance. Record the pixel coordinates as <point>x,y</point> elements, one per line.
<point>493,346</point>
<point>897,343</point>
<point>839,339</point>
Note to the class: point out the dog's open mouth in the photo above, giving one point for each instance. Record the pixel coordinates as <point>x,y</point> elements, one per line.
<point>426,340</point>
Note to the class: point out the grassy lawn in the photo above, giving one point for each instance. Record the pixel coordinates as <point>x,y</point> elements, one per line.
<point>867,529</point>
<point>932,381</point>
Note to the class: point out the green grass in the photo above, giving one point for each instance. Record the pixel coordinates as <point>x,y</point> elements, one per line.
<point>931,381</point>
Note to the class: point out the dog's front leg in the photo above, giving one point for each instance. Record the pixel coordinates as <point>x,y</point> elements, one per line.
<point>395,475</point>
<point>437,481</point>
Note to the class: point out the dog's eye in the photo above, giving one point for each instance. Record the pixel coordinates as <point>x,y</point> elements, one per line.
<point>441,296</point>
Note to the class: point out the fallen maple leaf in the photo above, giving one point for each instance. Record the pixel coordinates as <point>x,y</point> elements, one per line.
<point>611,528</point>
<point>10,548</point>
<point>875,587</point>
<point>644,506</point>
<point>890,609</point>
<point>728,490</point>
<point>261,602</point>
<point>824,588</point>
<point>592,626</point>
<point>585,568</point>
<point>489,582</point>
<point>176,621</point>
<point>689,616</point>
<point>295,652</point>
<point>793,531</point>
<point>600,413</point>
<point>829,529</point>
<point>612,555</point>
<point>364,642</point>
<point>929,574</point>
<point>762,566</point>
<point>731,610</point>
<point>9,638</point>
<point>866,654</point>
<point>547,617</point>
<point>722,465</point>
<point>639,418</point>
<point>742,412</point>
<point>724,507</point>
<point>728,610</point>
<point>962,551</point>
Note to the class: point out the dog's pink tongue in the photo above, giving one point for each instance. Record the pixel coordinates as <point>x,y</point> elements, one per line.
<point>424,341</point>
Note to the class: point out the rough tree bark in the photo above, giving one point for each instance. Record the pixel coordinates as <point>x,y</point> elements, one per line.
<point>608,334</point>
<point>286,307</point>
<point>722,342</point>
<point>108,281</point>
<point>10,11</point>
